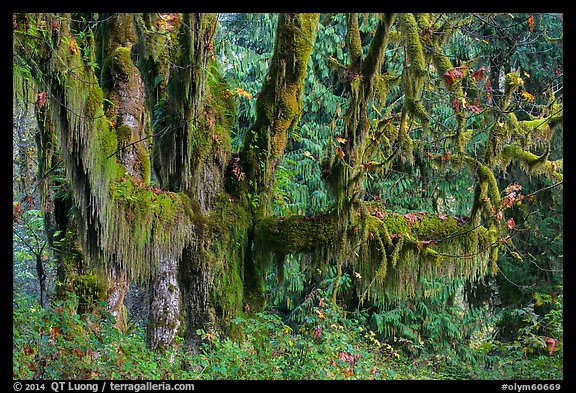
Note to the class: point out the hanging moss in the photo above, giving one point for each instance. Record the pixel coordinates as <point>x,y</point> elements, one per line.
<point>90,289</point>
<point>530,162</point>
<point>416,70</point>
<point>147,223</point>
<point>384,250</point>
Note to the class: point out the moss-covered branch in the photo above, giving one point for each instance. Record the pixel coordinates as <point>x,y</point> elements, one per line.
<point>279,102</point>
<point>385,248</point>
<point>532,163</point>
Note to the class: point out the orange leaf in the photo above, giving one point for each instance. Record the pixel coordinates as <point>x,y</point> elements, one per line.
<point>16,211</point>
<point>479,74</point>
<point>527,96</point>
<point>551,344</point>
<point>449,77</point>
<point>73,46</point>
<point>531,23</point>
<point>341,139</point>
<point>340,153</point>
<point>243,93</point>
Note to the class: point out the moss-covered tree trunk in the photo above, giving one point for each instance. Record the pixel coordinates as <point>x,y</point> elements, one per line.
<point>158,82</point>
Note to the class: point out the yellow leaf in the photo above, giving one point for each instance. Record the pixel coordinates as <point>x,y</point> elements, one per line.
<point>517,256</point>
<point>243,93</point>
<point>527,96</point>
<point>341,140</point>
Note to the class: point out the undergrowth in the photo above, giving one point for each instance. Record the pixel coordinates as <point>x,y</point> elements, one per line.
<point>58,343</point>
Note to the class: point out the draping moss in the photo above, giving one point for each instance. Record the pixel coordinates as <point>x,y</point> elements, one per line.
<point>530,162</point>
<point>414,76</point>
<point>391,253</point>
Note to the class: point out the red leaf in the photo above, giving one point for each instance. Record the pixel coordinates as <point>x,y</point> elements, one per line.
<point>456,104</point>
<point>28,350</point>
<point>479,73</point>
<point>41,99</point>
<point>317,333</point>
<point>551,344</point>
<point>379,214</point>
<point>411,217</point>
<point>28,200</point>
<point>510,224</point>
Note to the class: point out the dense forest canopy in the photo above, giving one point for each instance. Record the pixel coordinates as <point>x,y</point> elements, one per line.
<point>181,170</point>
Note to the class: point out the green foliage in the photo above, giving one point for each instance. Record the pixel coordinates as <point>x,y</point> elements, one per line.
<point>439,324</point>
<point>325,346</point>
<point>57,343</point>
<point>537,351</point>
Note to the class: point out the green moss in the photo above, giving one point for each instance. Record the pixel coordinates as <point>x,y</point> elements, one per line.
<point>279,102</point>
<point>432,227</point>
<point>486,175</point>
<point>122,62</point>
<point>295,234</point>
<point>413,44</point>
<point>90,290</point>
<point>94,100</point>
<point>144,160</point>
<point>530,162</point>
<point>124,133</point>
<point>146,223</point>
<point>229,226</point>
<point>353,40</point>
